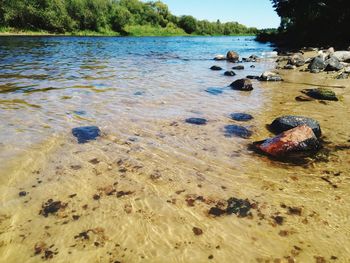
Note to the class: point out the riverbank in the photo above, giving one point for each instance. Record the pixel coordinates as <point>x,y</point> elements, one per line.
<point>147,189</point>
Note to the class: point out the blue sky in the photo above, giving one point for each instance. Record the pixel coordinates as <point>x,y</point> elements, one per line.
<point>257,13</point>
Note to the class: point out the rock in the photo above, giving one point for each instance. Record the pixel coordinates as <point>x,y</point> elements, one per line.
<point>317,64</point>
<point>333,64</point>
<point>51,207</point>
<point>232,56</point>
<point>321,94</point>
<point>342,55</point>
<point>270,76</point>
<point>241,117</point>
<point>230,73</point>
<point>239,67</point>
<point>216,68</point>
<point>237,131</point>
<point>297,60</point>
<point>347,70</point>
<point>289,66</point>
<point>214,91</point>
<point>197,231</point>
<point>252,77</point>
<point>22,193</point>
<point>288,122</point>
<point>242,84</point>
<point>86,134</point>
<point>298,139</point>
<point>196,121</point>
<point>239,207</point>
<point>220,57</point>
<point>252,66</point>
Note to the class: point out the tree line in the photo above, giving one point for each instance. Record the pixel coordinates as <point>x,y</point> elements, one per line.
<point>62,16</point>
<point>312,22</point>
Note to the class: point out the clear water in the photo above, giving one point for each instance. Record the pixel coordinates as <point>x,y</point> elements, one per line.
<point>139,91</point>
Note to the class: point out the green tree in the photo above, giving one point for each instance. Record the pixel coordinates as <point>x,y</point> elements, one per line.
<point>188,23</point>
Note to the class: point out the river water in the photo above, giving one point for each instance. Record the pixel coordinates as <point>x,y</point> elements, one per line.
<point>142,191</point>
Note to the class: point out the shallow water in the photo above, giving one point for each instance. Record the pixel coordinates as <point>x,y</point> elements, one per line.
<point>136,193</point>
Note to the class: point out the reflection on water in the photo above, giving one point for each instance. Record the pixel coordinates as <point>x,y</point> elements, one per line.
<point>143,190</point>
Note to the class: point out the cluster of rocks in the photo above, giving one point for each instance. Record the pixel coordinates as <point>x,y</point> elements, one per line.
<point>326,60</point>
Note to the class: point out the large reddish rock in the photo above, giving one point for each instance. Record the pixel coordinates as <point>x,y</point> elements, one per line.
<point>299,139</point>
<point>232,56</point>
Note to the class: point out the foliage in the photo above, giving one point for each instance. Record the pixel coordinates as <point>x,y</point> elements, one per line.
<point>105,16</point>
<point>314,21</point>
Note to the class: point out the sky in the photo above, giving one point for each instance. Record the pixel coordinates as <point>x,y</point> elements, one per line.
<point>255,13</point>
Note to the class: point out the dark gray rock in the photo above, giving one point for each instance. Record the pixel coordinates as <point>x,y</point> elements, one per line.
<point>252,77</point>
<point>239,67</point>
<point>242,84</point>
<point>196,121</point>
<point>333,64</point>
<point>230,73</point>
<point>237,131</point>
<point>288,122</point>
<point>317,64</point>
<point>86,134</point>
<point>216,68</point>
<point>241,117</point>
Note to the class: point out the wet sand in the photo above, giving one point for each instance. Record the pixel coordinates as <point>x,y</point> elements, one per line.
<point>142,192</point>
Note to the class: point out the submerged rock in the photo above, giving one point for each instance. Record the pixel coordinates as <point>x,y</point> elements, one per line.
<point>317,64</point>
<point>240,207</point>
<point>296,60</point>
<point>214,91</point>
<point>196,121</point>
<point>242,84</point>
<point>288,122</point>
<point>220,57</point>
<point>239,67</point>
<point>232,56</point>
<point>216,68</point>
<point>321,94</point>
<point>270,76</point>
<point>298,139</point>
<point>237,131</point>
<point>241,117</point>
<point>230,73</point>
<point>252,77</point>
<point>87,133</point>
<point>51,207</point>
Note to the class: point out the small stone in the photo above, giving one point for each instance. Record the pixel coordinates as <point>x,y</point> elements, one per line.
<point>86,134</point>
<point>241,117</point>
<point>216,211</point>
<point>237,131</point>
<point>214,91</point>
<point>230,73</point>
<point>242,84</point>
<point>239,67</point>
<point>196,121</point>
<point>22,193</point>
<point>197,231</point>
<point>216,68</point>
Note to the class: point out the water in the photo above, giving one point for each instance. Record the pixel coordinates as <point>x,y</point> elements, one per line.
<point>135,194</point>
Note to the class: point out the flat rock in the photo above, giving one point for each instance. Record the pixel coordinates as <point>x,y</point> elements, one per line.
<point>237,131</point>
<point>216,68</point>
<point>239,67</point>
<point>241,117</point>
<point>288,122</point>
<point>342,55</point>
<point>86,134</point>
<point>321,94</point>
<point>242,84</point>
<point>298,139</point>
<point>270,76</point>
<point>196,121</point>
<point>220,57</point>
